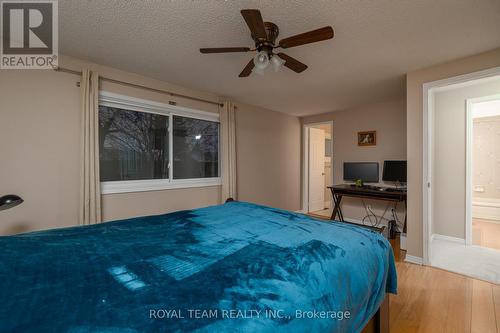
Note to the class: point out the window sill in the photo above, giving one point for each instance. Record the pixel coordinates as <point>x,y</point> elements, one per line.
<point>156,185</point>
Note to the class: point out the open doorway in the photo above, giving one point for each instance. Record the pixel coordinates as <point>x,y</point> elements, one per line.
<point>483,174</point>
<point>318,168</point>
<point>460,174</point>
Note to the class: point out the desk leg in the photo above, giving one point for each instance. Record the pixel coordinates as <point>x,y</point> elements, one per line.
<point>334,204</point>
<point>406,213</point>
<point>337,210</point>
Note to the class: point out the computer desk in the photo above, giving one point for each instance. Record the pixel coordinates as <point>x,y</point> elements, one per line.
<point>365,192</point>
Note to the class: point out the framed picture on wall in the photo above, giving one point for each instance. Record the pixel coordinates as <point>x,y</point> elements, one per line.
<point>367,138</point>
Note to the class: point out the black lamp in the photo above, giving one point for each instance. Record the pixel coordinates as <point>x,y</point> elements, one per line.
<point>9,201</point>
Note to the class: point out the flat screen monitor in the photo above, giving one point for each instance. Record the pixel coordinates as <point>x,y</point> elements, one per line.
<point>366,171</point>
<point>394,171</point>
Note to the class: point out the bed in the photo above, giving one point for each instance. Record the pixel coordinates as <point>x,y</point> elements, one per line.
<point>236,267</point>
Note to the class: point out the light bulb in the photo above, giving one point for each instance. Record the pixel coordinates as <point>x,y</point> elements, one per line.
<point>277,63</point>
<point>258,70</point>
<point>261,60</point>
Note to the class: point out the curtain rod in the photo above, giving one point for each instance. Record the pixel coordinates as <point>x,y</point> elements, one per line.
<point>70,71</point>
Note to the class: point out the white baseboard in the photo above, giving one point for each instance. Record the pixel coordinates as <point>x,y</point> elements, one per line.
<point>448,238</point>
<point>414,260</point>
<point>301,211</point>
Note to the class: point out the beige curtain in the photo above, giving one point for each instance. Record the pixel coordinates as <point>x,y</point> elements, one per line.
<point>90,187</point>
<point>228,144</point>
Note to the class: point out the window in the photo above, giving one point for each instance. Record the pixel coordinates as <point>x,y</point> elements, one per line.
<point>132,145</point>
<point>145,145</point>
<point>196,148</point>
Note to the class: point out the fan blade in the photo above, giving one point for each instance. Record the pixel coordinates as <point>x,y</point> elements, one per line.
<point>253,18</point>
<point>293,63</point>
<point>307,37</point>
<point>248,69</point>
<point>224,49</point>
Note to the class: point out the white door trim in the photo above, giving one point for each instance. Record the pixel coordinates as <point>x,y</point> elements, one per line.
<point>305,161</point>
<point>429,90</point>
<point>469,157</point>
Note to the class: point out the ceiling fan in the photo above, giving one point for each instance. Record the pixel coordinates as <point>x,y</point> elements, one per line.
<point>264,34</point>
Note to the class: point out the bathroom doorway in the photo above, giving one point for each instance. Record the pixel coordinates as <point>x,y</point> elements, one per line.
<point>483,174</point>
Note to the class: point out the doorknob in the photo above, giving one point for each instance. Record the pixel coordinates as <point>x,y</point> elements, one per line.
<point>323,174</point>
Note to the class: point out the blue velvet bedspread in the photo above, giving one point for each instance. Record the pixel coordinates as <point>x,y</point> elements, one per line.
<point>237,267</point>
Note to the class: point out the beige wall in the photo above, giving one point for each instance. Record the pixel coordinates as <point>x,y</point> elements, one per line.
<point>414,110</point>
<point>449,156</point>
<point>268,157</point>
<point>389,120</point>
<point>39,151</point>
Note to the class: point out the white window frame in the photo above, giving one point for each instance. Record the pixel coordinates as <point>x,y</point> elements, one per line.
<point>141,105</point>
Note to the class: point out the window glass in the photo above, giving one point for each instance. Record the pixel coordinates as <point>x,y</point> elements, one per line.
<point>132,145</point>
<point>195,148</point>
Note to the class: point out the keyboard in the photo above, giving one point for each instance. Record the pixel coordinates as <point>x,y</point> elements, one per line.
<point>379,188</point>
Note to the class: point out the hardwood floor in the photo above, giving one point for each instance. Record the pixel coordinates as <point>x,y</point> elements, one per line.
<point>486,233</point>
<point>433,300</point>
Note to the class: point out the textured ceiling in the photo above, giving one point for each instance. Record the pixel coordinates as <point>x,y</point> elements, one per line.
<point>376,42</point>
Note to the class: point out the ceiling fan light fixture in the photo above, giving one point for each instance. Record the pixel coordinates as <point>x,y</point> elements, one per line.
<point>265,34</point>
<point>277,63</point>
<point>261,60</point>
<point>258,70</point>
